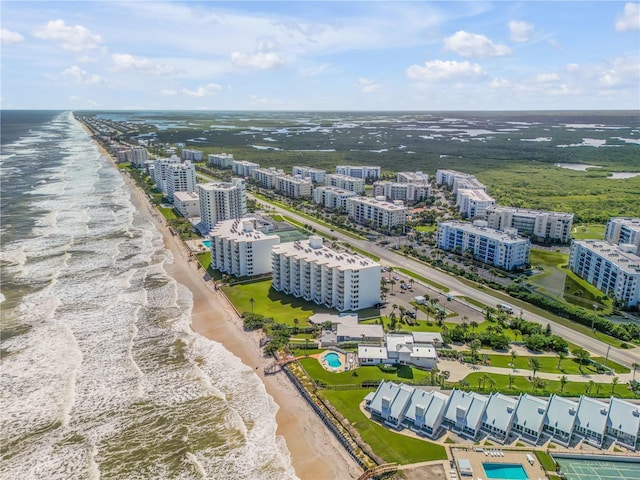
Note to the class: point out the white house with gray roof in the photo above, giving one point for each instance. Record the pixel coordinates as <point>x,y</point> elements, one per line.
<point>498,416</point>
<point>464,412</point>
<point>623,423</point>
<point>560,419</point>
<point>528,419</point>
<point>591,420</point>
<point>425,411</point>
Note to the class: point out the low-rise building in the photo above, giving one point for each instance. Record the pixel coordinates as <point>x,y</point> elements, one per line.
<point>623,423</point>
<point>464,412</point>
<point>316,175</point>
<point>239,249</point>
<point>345,182</point>
<point>474,203</point>
<point>497,419</point>
<point>376,213</point>
<point>220,160</point>
<point>560,418</point>
<point>539,225</point>
<point>528,419</point>
<point>591,421</point>
<point>624,231</point>
<point>504,250</point>
<point>187,203</point>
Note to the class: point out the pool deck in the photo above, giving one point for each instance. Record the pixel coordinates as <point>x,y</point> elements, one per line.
<point>196,246</point>
<point>477,458</point>
<point>325,364</point>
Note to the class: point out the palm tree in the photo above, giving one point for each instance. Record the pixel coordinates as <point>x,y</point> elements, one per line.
<point>534,363</point>
<point>511,378</point>
<point>252,301</point>
<point>635,367</point>
<point>582,355</point>
<point>563,381</point>
<point>473,324</point>
<point>516,332</point>
<point>440,316</point>
<point>514,354</point>
<point>561,356</point>
<point>475,346</point>
<point>411,281</point>
<point>539,384</point>
<point>295,323</point>
<point>492,383</point>
<point>614,382</point>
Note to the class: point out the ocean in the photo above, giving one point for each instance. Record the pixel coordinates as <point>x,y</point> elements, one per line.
<point>101,376</point>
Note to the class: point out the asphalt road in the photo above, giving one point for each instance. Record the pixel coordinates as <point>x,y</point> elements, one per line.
<point>457,288</point>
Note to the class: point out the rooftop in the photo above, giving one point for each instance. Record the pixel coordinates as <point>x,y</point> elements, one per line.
<point>314,251</point>
<point>484,231</point>
<point>627,261</point>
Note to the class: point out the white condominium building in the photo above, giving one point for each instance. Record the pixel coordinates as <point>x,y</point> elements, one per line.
<point>447,177</point>
<point>239,249</point>
<point>504,250</point>
<point>339,280</point>
<point>316,175</point>
<point>613,269</point>
<point>418,178</point>
<point>468,182</point>
<point>187,203</point>
<point>624,230</point>
<point>293,187</point>
<point>358,171</point>
<point>192,155</point>
<point>139,155</point>
<point>221,201</point>
<point>474,203</point>
<point>161,169</point>
<point>406,192</point>
<point>345,182</point>
<point>536,224</point>
<point>220,160</point>
<point>376,213</point>
<point>332,197</point>
<point>266,177</point>
<point>242,168</point>
<point>181,177</point>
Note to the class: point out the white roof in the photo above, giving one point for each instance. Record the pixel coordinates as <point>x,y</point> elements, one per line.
<point>471,403</point>
<point>240,230</point>
<point>627,261</point>
<point>499,412</point>
<point>433,403</point>
<point>427,337</point>
<point>624,416</point>
<point>475,194</point>
<point>530,412</point>
<point>372,351</point>
<point>356,331</point>
<point>394,342</point>
<point>185,196</point>
<point>592,414</point>
<point>561,413</point>
<point>324,256</point>
<point>482,231</point>
<point>423,350</point>
<point>382,204</point>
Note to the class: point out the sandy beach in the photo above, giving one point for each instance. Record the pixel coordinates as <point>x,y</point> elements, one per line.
<point>315,453</point>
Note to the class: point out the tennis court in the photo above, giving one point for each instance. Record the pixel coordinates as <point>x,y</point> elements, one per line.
<point>578,469</point>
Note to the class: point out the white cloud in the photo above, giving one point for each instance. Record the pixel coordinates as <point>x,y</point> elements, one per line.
<point>520,31</point>
<point>437,70</point>
<point>124,62</point>
<point>630,18</point>
<point>82,76</point>
<point>314,70</point>
<point>8,37</point>
<point>547,77</point>
<point>168,92</point>
<point>620,72</point>
<point>572,67</point>
<point>367,86</point>
<point>259,60</point>
<point>203,90</point>
<point>474,45</point>
<point>72,38</point>
<point>500,83</point>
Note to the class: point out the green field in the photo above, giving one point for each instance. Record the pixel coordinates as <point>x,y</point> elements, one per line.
<point>568,366</point>
<point>362,374</point>
<point>588,232</point>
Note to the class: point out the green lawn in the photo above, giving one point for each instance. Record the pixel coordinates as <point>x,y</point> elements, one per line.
<point>588,232</point>
<point>473,301</point>
<point>362,374</point>
<point>548,463</point>
<point>168,213</point>
<point>390,445</point>
<point>426,228</point>
<point>420,278</point>
<point>568,366</point>
<point>283,308</point>
<point>523,385</point>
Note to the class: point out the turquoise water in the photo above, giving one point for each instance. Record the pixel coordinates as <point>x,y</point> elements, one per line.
<point>207,243</point>
<point>333,360</point>
<point>504,471</point>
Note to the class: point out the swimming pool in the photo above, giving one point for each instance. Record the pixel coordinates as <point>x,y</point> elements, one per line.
<point>207,243</point>
<point>333,360</point>
<point>505,471</point>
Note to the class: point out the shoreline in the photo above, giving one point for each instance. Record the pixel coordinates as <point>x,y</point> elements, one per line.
<point>314,452</point>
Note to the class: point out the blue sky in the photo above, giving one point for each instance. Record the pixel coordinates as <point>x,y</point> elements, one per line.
<point>330,55</point>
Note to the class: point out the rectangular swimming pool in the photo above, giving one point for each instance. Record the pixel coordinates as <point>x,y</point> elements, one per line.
<point>504,471</point>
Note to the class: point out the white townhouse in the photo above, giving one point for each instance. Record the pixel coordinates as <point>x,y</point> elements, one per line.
<point>405,192</point>
<point>376,213</point>
<point>504,250</point>
<point>464,412</point>
<point>497,419</point>
<point>332,197</point>
<point>560,419</point>
<point>623,423</point>
<point>624,230</point>
<point>220,160</point>
<point>345,182</point>
<point>293,187</point>
<point>340,280</point>
<point>316,175</point>
<point>221,201</point>
<point>528,419</point>
<point>613,269</point>
<point>474,203</point>
<point>425,411</point>
<point>160,171</point>
<point>364,172</point>
<point>181,177</point>
<point>417,178</point>
<point>242,168</point>
<point>192,155</point>
<point>266,177</point>
<point>539,225</point>
<point>591,421</point>
<point>390,402</point>
<point>187,203</point>
<point>239,249</point>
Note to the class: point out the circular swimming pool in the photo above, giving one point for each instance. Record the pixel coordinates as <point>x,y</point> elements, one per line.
<point>333,360</point>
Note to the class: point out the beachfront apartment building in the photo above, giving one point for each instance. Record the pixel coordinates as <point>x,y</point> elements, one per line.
<point>161,169</point>
<point>266,177</point>
<point>242,168</point>
<point>345,182</point>
<point>456,180</point>
<point>220,160</point>
<point>539,225</point>
<point>221,201</point>
<point>417,178</point>
<point>187,203</point>
<point>332,197</point>
<point>293,187</point>
<point>504,418</point>
<point>468,182</point>
<point>473,203</point>
<point>623,230</point>
<point>239,249</point>
<point>137,156</point>
<point>405,192</point>
<point>502,249</point>
<point>368,172</point>
<point>376,212</point>
<point>316,175</point>
<point>612,269</point>
<point>181,177</point>
<point>192,155</point>
<point>307,269</point>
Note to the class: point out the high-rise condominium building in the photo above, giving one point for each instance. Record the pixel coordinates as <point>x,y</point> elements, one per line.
<point>345,182</point>
<point>181,177</point>
<point>624,231</point>
<point>538,225</point>
<point>221,201</point>
<point>474,203</point>
<point>377,213</point>
<point>316,175</point>
<point>365,172</point>
<point>332,197</point>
